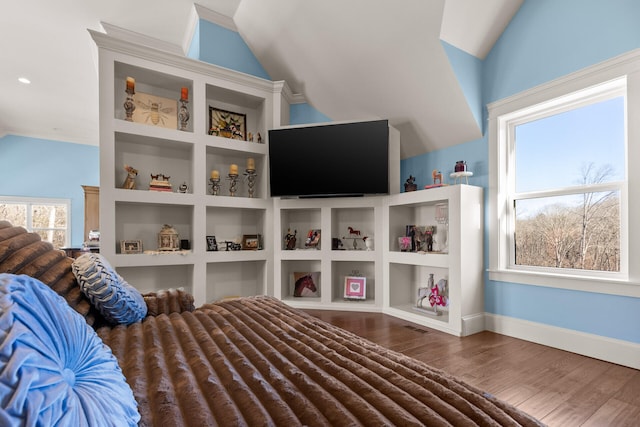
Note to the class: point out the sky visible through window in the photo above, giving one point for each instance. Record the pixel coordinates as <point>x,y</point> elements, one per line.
<point>551,152</point>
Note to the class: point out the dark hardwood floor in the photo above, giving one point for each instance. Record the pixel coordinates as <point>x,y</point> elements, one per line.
<point>557,387</point>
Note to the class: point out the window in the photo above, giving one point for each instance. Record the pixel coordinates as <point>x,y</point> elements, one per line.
<point>47,217</point>
<point>565,190</point>
<point>559,199</point>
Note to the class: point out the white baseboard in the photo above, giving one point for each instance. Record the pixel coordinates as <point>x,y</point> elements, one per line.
<point>609,349</point>
<point>473,324</point>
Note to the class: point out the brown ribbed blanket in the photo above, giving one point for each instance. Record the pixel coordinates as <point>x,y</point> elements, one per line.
<point>257,361</point>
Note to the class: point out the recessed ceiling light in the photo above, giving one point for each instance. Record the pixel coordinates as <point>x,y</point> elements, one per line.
<point>24,80</point>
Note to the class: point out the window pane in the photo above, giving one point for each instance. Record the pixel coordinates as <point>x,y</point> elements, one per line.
<point>15,213</point>
<point>55,237</point>
<point>49,216</point>
<point>554,151</point>
<point>578,231</point>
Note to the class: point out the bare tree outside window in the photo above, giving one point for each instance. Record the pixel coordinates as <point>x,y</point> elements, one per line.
<point>580,231</point>
<point>43,216</point>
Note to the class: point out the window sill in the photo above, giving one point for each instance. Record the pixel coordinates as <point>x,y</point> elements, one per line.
<point>576,283</point>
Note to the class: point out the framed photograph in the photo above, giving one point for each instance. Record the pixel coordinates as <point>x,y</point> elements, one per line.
<point>155,110</point>
<point>227,124</point>
<point>251,242</point>
<point>313,239</point>
<point>404,243</point>
<point>212,244</point>
<point>306,284</point>
<point>131,246</point>
<point>355,287</point>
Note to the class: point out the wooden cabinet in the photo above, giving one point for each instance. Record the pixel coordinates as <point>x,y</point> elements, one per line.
<point>91,209</point>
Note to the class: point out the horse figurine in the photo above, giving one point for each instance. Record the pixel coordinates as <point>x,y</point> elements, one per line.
<point>422,294</point>
<point>353,232</point>
<point>437,176</point>
<point>130,181</point>
<point>304,286</point>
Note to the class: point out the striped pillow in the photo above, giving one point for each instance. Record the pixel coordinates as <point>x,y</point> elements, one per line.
<point>115,299</point>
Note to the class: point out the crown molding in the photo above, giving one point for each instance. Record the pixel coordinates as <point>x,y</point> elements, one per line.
<point>106,41</point>
<point>140,39</point>
<point>283,88</point>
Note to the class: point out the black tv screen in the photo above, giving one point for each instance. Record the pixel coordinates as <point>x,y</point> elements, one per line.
<point>333,160</point>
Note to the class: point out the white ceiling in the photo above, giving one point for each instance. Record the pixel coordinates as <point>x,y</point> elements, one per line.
<point>352,60</point>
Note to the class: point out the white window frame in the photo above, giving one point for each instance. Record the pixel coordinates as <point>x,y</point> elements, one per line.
<point>30,201</point>
<point>618,76</point>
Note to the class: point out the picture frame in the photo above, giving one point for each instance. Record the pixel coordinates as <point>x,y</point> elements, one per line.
<point>355,287</point>
<point>313,239</point>
<point>131,246</point>
<point>306,284</point>
<point>227,124</point>
<point>404,243</point>
<point>251,242</point>
<point>212,244</point>
<point>155,111</point>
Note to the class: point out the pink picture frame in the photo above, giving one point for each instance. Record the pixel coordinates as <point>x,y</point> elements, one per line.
<point>355,287</point>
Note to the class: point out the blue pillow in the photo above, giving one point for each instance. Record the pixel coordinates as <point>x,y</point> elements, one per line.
<point>54,369</point>
<point>115,299</point>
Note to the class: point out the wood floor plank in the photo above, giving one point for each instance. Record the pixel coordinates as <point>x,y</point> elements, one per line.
<point>615,413</point>
<point>558,387</point>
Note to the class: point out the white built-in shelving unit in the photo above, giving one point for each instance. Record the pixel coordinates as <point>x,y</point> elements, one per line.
<point>188,156</point>
<point>332,217</point>
<point>459,261</point>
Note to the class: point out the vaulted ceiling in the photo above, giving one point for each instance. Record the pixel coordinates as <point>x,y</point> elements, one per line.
<point>352,60</point>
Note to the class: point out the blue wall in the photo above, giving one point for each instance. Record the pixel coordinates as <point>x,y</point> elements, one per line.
<point>31,167</point>
<point>547,39</point>
<point>468,71</point>
<point>217,45</point>
<point>305,113</point>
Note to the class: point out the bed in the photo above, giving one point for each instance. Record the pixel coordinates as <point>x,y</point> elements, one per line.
<point>249,361</point>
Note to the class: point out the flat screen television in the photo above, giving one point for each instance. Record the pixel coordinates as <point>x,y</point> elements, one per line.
<point>332,160</point>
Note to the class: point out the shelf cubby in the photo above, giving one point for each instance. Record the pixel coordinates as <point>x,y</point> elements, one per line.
<point>299,221</point>
<point>221,159</point>
<point>153,83</point>
<point>238,102</point>
<point>362,223</point>
<point>143,221</point>
<point>288,268</point>
<point>234,279</point>
<point>232,224</point>
<point>159,277</point>
<point>406,280</point>
<point>341,269</point>
<point>153,156</point>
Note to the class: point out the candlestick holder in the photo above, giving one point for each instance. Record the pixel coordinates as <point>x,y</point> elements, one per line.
<point>233,184</point>
<point>215,186</point>
<point>251,181</point>
<point>183,114</point>
<point>129,106</point>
